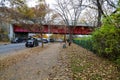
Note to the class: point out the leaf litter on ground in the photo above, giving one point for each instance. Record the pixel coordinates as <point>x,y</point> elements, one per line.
<point>81,64</point>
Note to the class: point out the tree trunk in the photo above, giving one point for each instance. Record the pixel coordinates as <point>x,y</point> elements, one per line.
<point>99,19</point>
<point>41,36</point>
<point>64,37</point>
<point>99,13</point>
<point>42,40</point>
<point>70,36</point>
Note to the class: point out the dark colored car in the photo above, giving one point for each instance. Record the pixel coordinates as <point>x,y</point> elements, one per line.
<point>52,40</point>
<point>31,43</point>
<point>45,41</point>
<point>18,40</point>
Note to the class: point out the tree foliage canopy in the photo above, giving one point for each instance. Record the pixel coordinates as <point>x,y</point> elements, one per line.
<point>107,38</point>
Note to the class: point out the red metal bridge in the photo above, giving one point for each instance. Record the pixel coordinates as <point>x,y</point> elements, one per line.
<point>55,29</point>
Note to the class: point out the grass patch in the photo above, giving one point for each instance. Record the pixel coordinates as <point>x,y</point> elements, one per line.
<point>78,64</point>
<point>76,68</point>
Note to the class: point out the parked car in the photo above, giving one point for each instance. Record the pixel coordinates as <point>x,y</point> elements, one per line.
<point>39,39</point>
<point>51,40</point>
<point>18,40</point>
<point>31,43</point>
<point>45,41</point>
<point>59,40</point>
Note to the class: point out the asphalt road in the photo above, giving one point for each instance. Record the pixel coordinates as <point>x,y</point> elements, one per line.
<point>11,47</point>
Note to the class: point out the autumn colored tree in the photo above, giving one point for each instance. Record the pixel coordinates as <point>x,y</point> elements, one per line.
<point>8,9</point>
<point>35,15</point>
<point>23,15</point>
<point>40,11</point>
<point>45,36</point>
<point>56,36</point>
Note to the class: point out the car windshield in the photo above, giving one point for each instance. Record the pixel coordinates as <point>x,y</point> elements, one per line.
<point>30,41</point>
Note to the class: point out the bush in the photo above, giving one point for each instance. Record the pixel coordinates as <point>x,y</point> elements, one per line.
<point>107,38</point>
<point>107,41</point>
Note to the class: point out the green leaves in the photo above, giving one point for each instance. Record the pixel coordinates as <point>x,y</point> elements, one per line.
<point>107,38</point>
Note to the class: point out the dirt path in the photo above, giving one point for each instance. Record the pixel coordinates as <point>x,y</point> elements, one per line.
<point>35,67</point>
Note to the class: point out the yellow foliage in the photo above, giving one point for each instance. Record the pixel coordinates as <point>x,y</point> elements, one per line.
<point>45,36</point>
<point>26,11</point>
<point>56,36</point>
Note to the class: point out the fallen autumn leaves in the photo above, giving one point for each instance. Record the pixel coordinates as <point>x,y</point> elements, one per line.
<point>78,63</point>
<point>12,59</point>
<point>87,66</point>
<point>74,63</point>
